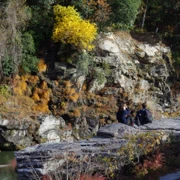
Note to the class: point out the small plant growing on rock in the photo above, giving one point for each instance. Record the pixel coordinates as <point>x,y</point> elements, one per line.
<point>42,67</point>
<point>69,92</point>
<point>141,144</point>
<point>150,163</point>
<point>42,96</point>
<point>4,90</point>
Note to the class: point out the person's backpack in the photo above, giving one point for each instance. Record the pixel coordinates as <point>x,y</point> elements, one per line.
<point>139,119</point>
<point>148,116</point>
<point>143,116</point>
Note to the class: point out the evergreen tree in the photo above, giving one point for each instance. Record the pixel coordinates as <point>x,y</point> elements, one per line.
<point>124,12</point>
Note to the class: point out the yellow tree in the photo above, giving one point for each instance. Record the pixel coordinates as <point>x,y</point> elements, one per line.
<point>72,29</point>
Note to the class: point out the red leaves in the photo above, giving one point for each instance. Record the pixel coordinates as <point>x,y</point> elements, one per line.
<point>89,177</point>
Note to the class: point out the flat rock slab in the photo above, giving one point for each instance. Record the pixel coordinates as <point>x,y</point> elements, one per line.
<point>171,126</point>
<point>117,130</point>
<point>164,124</point>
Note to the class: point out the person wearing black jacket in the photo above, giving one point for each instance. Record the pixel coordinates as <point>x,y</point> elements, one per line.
<point>124,115</point>
<point>143,116</point>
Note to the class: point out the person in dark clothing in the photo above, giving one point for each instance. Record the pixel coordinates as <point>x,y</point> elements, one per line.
<point>143,116</point>
<point>124,115</point>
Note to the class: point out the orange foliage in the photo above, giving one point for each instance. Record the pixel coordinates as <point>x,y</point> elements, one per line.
<point>35,97</point>
<point>76,112</point>
<point>102,10</point>
<point>84,87</point>
<point>41,96</point>
<point>74,97</point>
<point>41,93</point>
<point>33,79</point>
<point>41,107</point>
<point>46,95</point>
<point>44,85</point>
<point>68,84</point>
<point>42,67</point>
<point>70,92</point>
<point>20,85</point>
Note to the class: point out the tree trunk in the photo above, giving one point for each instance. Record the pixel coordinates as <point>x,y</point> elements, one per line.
<point>144,15</point>
<point>1,70</point>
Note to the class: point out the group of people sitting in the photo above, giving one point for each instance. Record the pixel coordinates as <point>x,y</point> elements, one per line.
<point>143,116</point>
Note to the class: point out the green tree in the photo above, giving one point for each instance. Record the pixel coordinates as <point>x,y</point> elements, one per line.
<point>82,7</point>
<point>162,14</point>
<point>124,12</point>
<point>29,60</point>
<point>41,24</point>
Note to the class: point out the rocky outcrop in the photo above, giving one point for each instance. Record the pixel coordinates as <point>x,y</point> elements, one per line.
<point>68,159</point>
<point>141,69</point>
<point>27,132</point>
<point>16,133</point>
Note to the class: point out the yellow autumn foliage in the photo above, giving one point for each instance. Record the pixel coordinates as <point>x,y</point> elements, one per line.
<point>70,28</point>
<point>33,79</point>
<point>35,97</point>
<point>44,85</point>
<point>74,97</point>
<point>20,87</point>
<point>67,84</point>
<point>42,67</point>
<point>70,91</point>
<point>76,112</point>
<point>46,95</point>
<point>41,107</point>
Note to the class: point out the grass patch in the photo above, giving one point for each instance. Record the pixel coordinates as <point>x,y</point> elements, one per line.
<point>16,107</point>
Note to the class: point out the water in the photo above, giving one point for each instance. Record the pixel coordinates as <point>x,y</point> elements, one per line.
<point>7,173</point>
<point>171,176</point>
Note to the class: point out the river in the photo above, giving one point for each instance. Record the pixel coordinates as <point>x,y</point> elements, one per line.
<point>7,173</point>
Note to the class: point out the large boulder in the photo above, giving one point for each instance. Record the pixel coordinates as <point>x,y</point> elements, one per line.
<point>19,134</point>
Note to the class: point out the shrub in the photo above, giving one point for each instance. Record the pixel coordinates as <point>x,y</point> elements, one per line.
<point>71,29</point>
<point>83,62</point>
<point>124,12</point>
<point>29,60</point>
<point>42,67</point>
<point>7,65</point>
<point>4,90</point>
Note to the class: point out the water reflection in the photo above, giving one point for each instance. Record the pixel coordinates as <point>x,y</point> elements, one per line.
<point>171,176</point>
<point>7,173</point>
